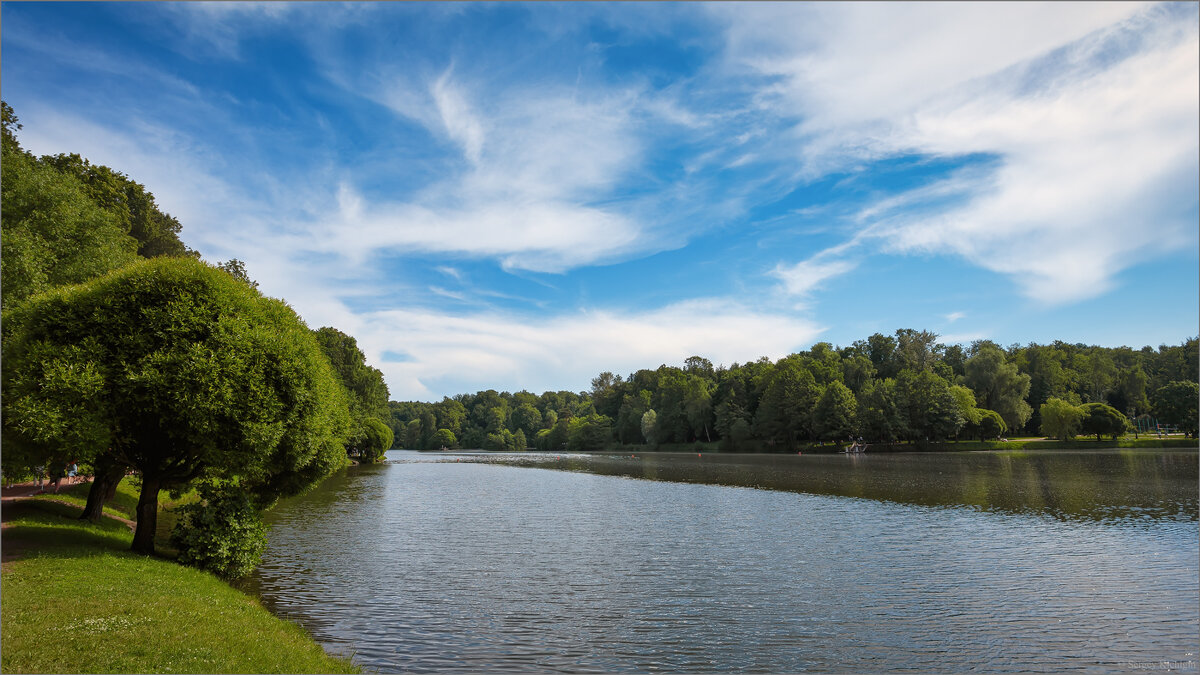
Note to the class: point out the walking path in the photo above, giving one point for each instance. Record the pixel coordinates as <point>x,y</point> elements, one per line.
<point>29,489</point>
<point>23,491</point>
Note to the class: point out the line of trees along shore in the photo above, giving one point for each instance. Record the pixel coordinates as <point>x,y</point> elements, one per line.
<point>886,388</point>
<point>123,351</point>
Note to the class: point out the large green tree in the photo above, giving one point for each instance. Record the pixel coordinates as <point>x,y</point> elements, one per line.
<point>53,233</point>
<point>1176,403</point>
<point>998,385</point>
<point>697,404</point>
<point>880,417</point>
<point>629,416</point>
<point>785,412</point>
<point>1101,418</point>
<point>1060,419</point>
<point>180,371</point>
<point>835,414</point>
<point>128,201</point>
<point>592,432</point>
<point>930,408</point>
<point>372,440</point>
<point>366,391</point>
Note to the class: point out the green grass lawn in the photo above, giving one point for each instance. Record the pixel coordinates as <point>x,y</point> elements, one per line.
<point>124,505</point>
<point>76,600</point>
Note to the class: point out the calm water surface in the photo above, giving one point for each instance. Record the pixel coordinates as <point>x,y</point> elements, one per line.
<point>1040,562</point>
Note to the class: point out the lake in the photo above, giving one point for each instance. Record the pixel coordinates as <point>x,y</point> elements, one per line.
<point>1032,561</point>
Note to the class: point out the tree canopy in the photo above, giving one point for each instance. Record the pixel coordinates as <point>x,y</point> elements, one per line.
<point>67,220</point>
<point>902,387</point>
<point>365,390</point>
<point>1176,403</point>
<point>174,368</point>
<point>1101,418</point>
<point>1060,419</point>
<point>53,233</point>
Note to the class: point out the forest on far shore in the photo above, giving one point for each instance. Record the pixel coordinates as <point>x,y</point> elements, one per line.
<point>886,388</point>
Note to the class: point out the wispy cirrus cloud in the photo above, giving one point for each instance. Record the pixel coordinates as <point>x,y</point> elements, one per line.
<point>1088,109</point>
<point>807,276</point>
<point>534,189</point>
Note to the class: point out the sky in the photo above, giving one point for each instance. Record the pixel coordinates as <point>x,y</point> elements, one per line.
<point>521,196</point>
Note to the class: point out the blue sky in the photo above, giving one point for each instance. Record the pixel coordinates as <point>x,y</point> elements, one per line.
<point>521,196</point>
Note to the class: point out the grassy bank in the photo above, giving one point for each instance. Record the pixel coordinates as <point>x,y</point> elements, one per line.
<point>124,505</point>
<point>76,600</point>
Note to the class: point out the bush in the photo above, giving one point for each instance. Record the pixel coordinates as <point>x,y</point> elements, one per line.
<point>1100,418</point>
<point>221,533</point>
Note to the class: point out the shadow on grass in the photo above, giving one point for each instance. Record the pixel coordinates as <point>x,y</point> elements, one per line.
<point>43,527</point>
<point>37,527</point>
<point>123,503</point>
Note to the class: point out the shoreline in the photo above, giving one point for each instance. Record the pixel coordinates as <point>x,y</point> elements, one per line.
<point>77,583</point>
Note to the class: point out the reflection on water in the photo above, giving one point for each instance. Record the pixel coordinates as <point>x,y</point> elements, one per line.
<point>436,562</point>
<point>1067,484</point>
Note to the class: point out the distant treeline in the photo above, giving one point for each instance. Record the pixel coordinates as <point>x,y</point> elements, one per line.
<point>902,387</point>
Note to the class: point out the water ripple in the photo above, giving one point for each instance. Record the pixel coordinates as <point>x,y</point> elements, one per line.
<point>429,566</point>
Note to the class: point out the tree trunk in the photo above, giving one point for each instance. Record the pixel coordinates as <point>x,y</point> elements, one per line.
<point>104,488</point>
<point>147,516</point>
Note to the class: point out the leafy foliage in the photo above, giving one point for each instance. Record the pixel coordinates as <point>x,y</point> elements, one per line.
<point>1100,418</point>
<point>180,371</point>
<point>1176,403</point>
<point>991,424</point>
<point>365,390</point>
<point>998,385</point>
<point>1060,419</point>
<point>131,205</point>
<point>835,413</point>
<point>649,426</point>
<point>221,533</point>
<point>445,438</point>
<point>67,220</point>
<point>53,233</point>
<point>237,269</point>
<point>904,387</point>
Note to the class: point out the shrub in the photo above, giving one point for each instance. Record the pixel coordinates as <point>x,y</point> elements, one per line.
<point>221,533</point>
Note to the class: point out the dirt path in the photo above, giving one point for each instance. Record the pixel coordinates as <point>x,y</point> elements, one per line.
<point>19,490</point>
<point>23,491</point>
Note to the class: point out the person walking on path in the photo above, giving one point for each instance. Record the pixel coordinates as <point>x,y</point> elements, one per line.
<point>59,472</point>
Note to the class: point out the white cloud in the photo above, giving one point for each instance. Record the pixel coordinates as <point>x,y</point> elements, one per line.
<point>954,316</point>
<point>460,121</point>
<point>1094,179</point>
<point>541,236</point>
<point>468,353</point>
<point>850,64</point>
<point>542,165</point>
<point>806,276</point>
<point>218,27</point>
<point>1090,110</point>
